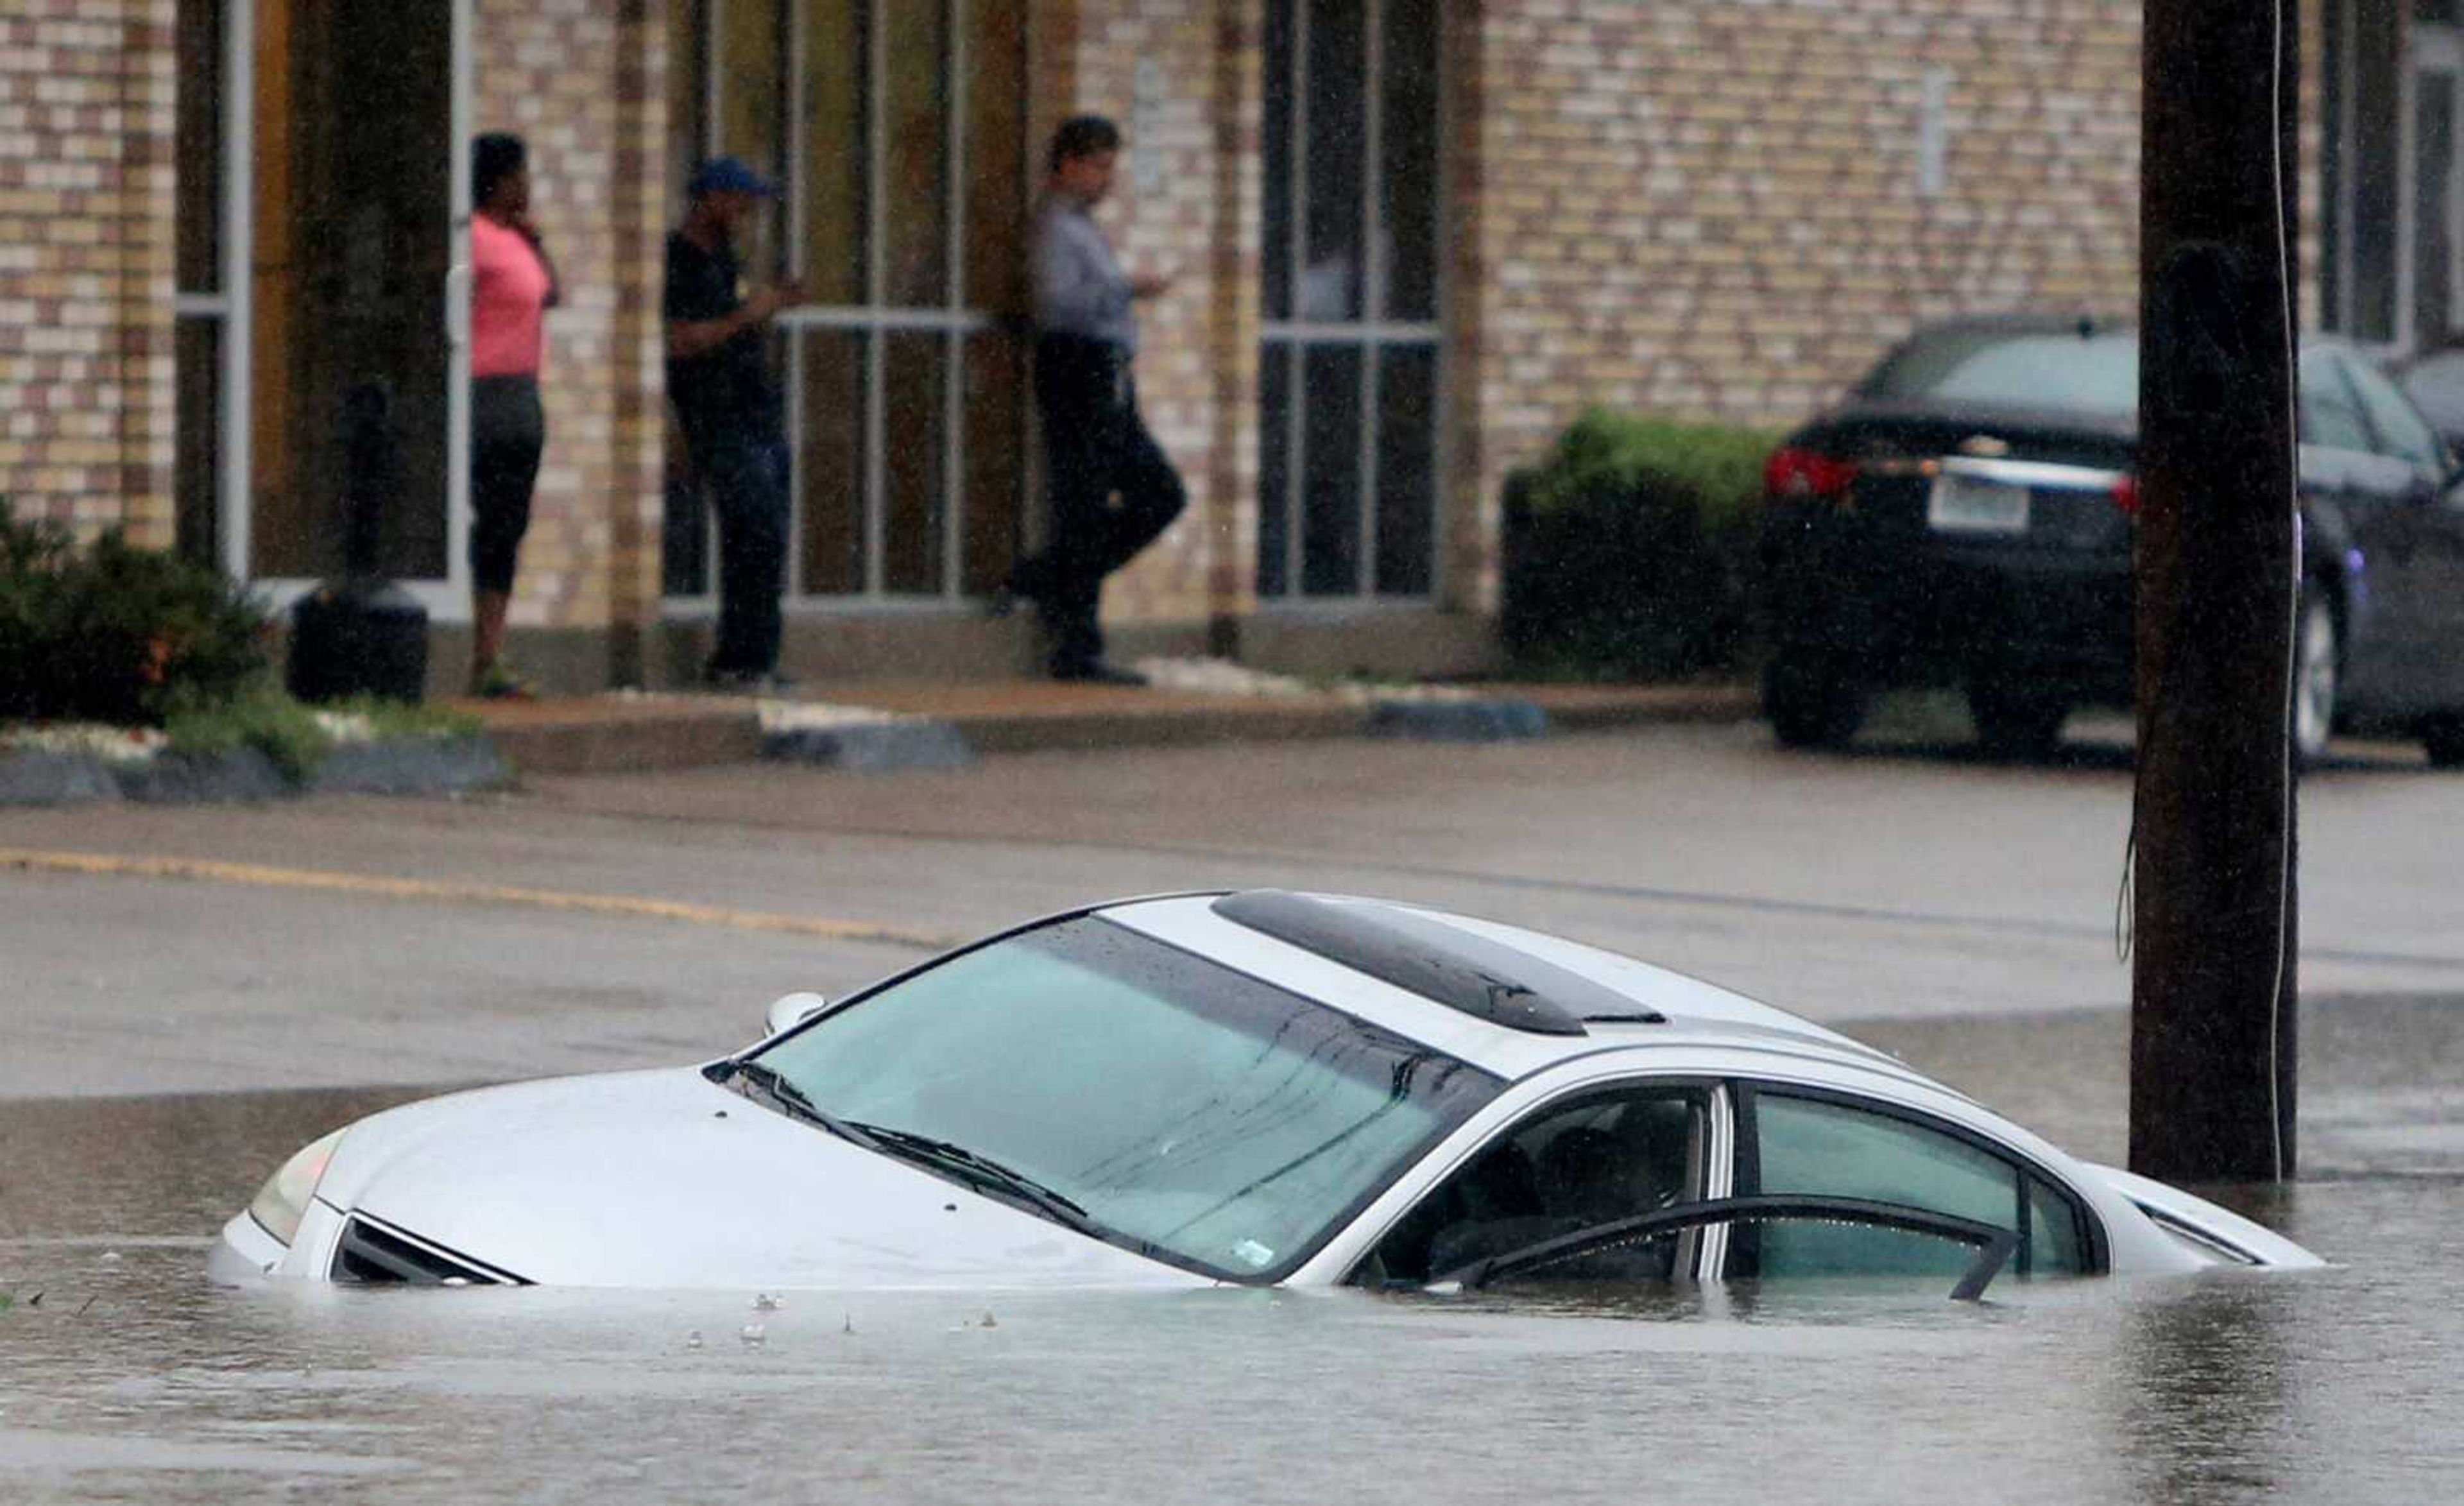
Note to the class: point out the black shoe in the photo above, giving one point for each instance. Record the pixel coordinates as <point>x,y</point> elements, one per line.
<point>1003,602</point>
<point>1097,672</point>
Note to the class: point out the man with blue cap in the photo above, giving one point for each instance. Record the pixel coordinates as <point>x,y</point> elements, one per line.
<point>728,404</point>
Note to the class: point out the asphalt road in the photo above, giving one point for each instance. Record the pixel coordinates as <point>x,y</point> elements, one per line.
<point>599,922</point>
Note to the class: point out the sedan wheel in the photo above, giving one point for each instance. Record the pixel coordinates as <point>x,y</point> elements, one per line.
<point>2016,720</point>
<point>2313,682</point>
<point>2442,738</point>
<point>1811,704</point>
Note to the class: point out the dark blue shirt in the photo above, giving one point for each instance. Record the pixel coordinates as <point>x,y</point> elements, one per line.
<point>727,390</point>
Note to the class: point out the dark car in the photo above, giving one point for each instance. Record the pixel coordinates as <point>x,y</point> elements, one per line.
<point>1966,517</point>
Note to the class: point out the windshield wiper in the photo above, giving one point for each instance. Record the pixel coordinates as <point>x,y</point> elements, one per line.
<point>982,1172</point>
<point>759,1079</point>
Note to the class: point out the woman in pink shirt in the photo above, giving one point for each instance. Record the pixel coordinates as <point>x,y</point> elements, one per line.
<point>511,287</point>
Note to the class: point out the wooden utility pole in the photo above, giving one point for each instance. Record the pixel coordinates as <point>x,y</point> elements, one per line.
<point>2212,1036</point>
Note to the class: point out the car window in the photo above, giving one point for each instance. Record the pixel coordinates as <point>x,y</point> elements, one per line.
<point>2331,415</point>
<point>2435,385</point>
<point>1572,1166</point>
<point>2097,373</point>
<point>1189,1109</point>
<point>1802,1144</point>
<point>2402,431</point>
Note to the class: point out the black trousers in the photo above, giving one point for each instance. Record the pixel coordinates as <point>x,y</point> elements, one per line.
<point>1110,486</point>
<point>745,478</point>
<point>508,432</point>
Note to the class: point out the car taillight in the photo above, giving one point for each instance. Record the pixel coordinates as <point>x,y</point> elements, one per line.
<point>1794,471</point>
<point>2125,494</point>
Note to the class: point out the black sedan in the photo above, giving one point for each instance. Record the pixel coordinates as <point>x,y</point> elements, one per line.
<point>1966,517</point>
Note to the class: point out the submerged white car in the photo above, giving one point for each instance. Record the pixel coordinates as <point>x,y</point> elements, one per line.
<point>1253,1087</point>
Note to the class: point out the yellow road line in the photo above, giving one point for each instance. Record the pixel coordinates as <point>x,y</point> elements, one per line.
<point>202,869</point>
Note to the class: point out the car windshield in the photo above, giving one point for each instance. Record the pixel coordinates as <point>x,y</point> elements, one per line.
<point>1194,1113</point>
<point>2096,373</point>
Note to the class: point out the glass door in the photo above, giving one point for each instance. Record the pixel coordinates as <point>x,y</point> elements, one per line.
<point>357,204</point>
<point>900,133</point>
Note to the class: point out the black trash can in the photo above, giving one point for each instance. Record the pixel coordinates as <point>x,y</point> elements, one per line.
<point>362,635</point>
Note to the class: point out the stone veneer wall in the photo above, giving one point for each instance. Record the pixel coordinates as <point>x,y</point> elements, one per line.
<point>583,81</point>
<point>1180,77</point>
<point>86,217</point>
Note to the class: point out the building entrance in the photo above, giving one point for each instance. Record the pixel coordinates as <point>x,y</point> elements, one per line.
<point>357,306</point>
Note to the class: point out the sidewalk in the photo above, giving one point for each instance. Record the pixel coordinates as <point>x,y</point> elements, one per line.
<point>630,732</point>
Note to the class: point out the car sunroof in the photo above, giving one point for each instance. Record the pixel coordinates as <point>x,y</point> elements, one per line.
<point>1441,963</point>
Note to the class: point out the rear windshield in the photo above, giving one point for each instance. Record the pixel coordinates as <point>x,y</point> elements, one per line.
<point>2097,373</point>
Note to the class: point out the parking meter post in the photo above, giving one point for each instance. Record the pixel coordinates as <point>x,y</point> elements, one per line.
<point>2213,982</point>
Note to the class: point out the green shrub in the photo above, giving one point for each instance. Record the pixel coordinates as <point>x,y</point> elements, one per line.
<point>115,633</point>
<point>260,716</point>
<point>1629,549</point>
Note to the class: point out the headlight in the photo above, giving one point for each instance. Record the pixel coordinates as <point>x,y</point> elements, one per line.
<point>283,1201</point>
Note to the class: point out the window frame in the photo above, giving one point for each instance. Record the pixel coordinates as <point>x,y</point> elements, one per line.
<point>1744,1245</point>
<point>1705,1183</point>
<point>952,325</point>
<point>1287,343</point>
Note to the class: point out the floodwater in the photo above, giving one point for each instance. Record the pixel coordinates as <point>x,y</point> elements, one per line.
<point>125,1377</point>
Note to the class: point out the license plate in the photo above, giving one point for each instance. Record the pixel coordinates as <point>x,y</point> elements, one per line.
<point>1973,505</point>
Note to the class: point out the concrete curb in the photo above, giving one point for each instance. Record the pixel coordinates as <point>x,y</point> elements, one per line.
<point>1494,720</point>
<point>388,766</point>
<point>243,775</point>
<point>40,777</point>
<point>412,766</point>
<point>687,732</point>
<point>872,746</point>
<point>638,741</point>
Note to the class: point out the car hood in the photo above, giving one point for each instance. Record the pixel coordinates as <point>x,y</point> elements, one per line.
<point>665,1179</point>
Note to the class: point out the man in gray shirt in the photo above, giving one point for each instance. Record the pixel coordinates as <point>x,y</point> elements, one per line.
<point>1110,486</point>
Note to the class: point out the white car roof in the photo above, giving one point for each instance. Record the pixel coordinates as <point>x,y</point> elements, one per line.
<point>1692,1012</point>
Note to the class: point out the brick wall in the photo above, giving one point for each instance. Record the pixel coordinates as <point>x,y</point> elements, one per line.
<point>1712,208</point>
<point>583,82</point>
<point>1702,207</point>
<point>1179,77</point>
<point>86,214</point>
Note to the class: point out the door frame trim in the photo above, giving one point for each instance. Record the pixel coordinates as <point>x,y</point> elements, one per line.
<point>446,598</point>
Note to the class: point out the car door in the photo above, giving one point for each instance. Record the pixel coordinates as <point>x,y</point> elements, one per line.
<point>2432,572</point>
<point>1808,1142</point>
<point>2356,529</point>
<point>1596,1158</point>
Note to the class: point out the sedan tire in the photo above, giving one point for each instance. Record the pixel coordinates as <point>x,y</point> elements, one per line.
<point>1811,704</point>
<point>2442,738</point>
<point>2015,722</point>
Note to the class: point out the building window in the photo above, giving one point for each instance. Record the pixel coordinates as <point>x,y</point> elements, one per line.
<point>1349,374</point>
<point>900,134</point>
<point>2362,250</point>
<point>201,317</point>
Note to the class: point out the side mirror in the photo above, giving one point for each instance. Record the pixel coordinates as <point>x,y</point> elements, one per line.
<point>791,1009</point>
